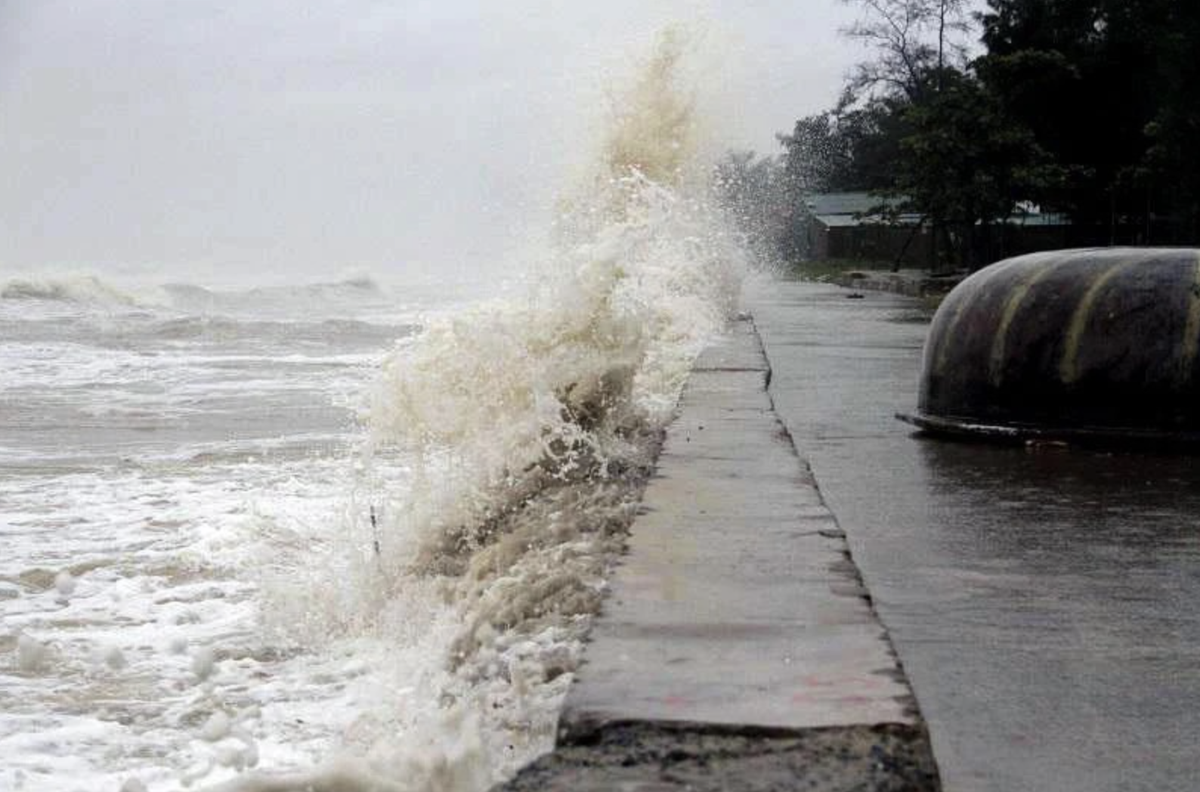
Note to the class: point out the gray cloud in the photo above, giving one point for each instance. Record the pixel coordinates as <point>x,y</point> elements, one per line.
<point>263,139</point>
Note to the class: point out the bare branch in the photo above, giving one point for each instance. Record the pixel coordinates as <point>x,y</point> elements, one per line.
<point>913,39</point>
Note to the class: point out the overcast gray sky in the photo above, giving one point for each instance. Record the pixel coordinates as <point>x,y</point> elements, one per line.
<point>258,140</point>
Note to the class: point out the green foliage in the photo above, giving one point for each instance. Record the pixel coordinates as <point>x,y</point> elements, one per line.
<point>1108,88</point>
<point>847,149</point>
<point>965,164</point>
<point>1089,108</point>
<point>1173,157</point>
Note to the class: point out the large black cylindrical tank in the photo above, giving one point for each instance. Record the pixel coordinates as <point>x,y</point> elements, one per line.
<point>1089,344</point>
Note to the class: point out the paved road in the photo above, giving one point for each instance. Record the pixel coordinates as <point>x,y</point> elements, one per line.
<point>1045,604</point>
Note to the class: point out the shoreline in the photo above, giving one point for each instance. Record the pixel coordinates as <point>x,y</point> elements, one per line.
<point>738,647</point>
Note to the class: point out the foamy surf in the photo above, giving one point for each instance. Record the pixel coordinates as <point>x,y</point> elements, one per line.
<point>71,288</point>
<point>530,426</point>
<point>408,616</point>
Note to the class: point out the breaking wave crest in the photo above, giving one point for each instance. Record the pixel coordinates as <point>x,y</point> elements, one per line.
<point>198,299</point>
<point>88,289</point>
<point>534,423</point>
<point>71,288</point>
<point>528,428</point>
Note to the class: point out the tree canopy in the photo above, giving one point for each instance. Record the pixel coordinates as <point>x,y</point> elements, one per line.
<point>1088,108</point>
<point>1108,88</point>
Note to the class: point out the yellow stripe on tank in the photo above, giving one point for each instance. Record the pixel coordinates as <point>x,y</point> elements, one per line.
<point>1011,306</point>
<point>964,304</point>
<point>1068,367</point>
<point>1191,328</point>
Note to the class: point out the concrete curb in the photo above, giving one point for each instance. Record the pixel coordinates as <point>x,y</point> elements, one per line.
<point>738,648</point>
<point>911,283</point>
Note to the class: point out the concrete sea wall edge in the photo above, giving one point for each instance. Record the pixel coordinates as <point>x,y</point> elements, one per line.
<point>738,648</point>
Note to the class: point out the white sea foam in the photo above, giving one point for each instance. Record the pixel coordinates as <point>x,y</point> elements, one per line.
<point>82,288</point>
<point>530,425</point>
<point>89,288</point>
<point>208,593</point>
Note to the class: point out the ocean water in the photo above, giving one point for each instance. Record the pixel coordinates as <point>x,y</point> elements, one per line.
<point>342,536</point>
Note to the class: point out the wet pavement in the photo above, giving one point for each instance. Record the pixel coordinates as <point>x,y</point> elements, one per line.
<point>735,604</point>
<point>1043,601</point>
<point>737,649</point>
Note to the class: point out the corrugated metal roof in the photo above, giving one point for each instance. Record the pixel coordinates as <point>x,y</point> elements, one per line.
<point>845,209</point>
<point>847,220</point>
<point>845,203</point>
<point>1038,220</point>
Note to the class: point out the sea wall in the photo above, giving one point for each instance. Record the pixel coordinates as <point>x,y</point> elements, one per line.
<point>910,283</point>
<point>737,647</point>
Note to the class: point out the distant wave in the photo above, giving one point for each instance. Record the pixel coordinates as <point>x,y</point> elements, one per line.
<point>229,331</point>
<point>527,428</point>
<point>352,290</point>
<point>192,298</point>
<point>70,288</point>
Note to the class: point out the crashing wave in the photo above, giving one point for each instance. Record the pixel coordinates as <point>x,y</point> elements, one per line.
<point>534,423</point>
<point>530,426</point>
<point>319,296</point>
<point>90,289</point>
<point>71,288</point>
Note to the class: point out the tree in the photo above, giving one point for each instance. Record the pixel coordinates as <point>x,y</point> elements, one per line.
<point>1173,159</point>
<point>1108,89</point>
<point>1087,107</point>
<point>942,145</point>
<point>964,165</point>
<point>912,39</point>
<point>844,149</point>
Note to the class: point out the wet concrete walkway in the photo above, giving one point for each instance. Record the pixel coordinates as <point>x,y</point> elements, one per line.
<point>737,649</point>
<point>1043,602</point>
